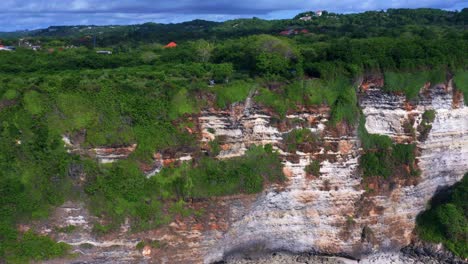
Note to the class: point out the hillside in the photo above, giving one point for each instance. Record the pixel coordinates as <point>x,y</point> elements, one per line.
<point>368,24</point>
<point>250,136</point>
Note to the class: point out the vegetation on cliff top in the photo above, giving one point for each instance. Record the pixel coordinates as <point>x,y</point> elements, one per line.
<point>461,82</point>
<point>410,83</point>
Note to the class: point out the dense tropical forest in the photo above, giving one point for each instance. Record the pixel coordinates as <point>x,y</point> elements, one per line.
<point>146,94</point>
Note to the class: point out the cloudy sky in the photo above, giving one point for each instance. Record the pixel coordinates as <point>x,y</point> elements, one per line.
<point>33,14</point>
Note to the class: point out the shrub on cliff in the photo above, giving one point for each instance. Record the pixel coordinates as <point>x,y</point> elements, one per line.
<point>410,83</point>
<point>344,108</point>
<point>209,177</point>
<point>446,220</point>
<point>301,139</point>
<point>461,82</point>
<point>313,168</point>
<point>235,91</point>
<point>337,93</point>
<point>426,124</point>
<point>383,158</point>
<point>121,190</point>
<point>35,247</point>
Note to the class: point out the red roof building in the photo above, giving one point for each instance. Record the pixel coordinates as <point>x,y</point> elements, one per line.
<point>171,45</point>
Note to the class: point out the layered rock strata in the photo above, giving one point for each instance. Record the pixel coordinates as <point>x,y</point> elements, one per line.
<point>330,213</point>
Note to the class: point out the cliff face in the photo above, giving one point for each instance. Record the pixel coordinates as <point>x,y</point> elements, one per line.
<point>442,156</point>
<point>333,213</point>
<point>100,154</point>
<point>305,213</point>
<point>341,218</point>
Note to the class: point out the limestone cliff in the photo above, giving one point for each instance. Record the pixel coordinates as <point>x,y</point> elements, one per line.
<point>330,213</point>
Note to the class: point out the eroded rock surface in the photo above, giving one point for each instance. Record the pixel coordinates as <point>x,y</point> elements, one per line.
<point>330,213</point>
<point>101,154</point>
<point>89,248</point>
<point>339,218</point>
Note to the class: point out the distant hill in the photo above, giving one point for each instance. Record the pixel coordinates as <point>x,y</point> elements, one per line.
<point>17,34</point>
<point>371,23</point>
<point>84,30</point>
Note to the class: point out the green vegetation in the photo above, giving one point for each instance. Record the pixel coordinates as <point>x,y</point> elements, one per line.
<point>300,139</point>
<point>147,95</point>
<point>101,229</point>
<point>429,116</point>
<point>246,174</point>
<point>423,22</point>
<point>383,158</point>
<point>336,93</point>
<point>345,107</point>
<point>410,83</point>
<point>236,91</point>
<point>140,245</point>
<point>408,127</point>
<point>181,104</point>
<point>33,165</point>
<point>461,82</point>
<point>33,102</point>
<point>151,243</point>
<point>86,246</point>
<point>121,190</point>
<point>32,247</point>
<point>313,168</point>
<point>426,124</point>
<point>215,147</point>
<point>446,220</point>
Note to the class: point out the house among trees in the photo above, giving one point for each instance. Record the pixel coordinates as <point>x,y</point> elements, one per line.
<point>308,16</point>
<point>171,45</point>
<point>26,43</point>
